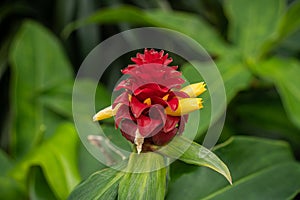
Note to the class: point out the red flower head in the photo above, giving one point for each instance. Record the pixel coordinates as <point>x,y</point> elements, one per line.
<point>151,108</point>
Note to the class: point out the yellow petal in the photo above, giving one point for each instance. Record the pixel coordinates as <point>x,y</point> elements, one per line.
<point>165,98</point>
<point>147,101</point>
<point>106,113</point>
<point>195,89</point>
<point>185,106</point>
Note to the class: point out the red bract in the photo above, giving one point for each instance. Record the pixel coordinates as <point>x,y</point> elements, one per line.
<point>152,107</point>
<point>150,88</point>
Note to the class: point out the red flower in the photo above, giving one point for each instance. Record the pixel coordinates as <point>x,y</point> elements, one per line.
<point>151,109</point>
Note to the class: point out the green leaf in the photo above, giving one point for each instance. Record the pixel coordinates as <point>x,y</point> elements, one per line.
<point>191,25</point>
<point>289,46</point>
<point>87,164</point>
<point>38,65</point>
<point>116,138</point>
<point>236,77</point>
<point>291,20</point>
<point>83,110</point>
<point>5,162</point>
<point>261,169</point>
<point>58,159</point>
<point>186,23</point>
<point>284,74</point>
<point>264,117</point>
<point>235,74</point>
<point>193,153</point>
<point>59,99</point>
<point>252,24</point>
<point>111,15</point>
<point>100,185</point>
<point>102,96</point>
<point>37,185</point>
<point>145,179</point>
<point>11,189</point>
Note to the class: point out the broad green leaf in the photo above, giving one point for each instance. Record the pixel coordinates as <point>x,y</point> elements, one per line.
<point>111,15</point>
<point>38,65</point>
<point>84,102</point>
<point>115,137</point>
<point>264,117</point>
<point>38,186</point>
<point>186,23</point>
<point>58,159</point>
<point>84,88</point>
<point>284,73</point>
<point>252,23</point>
<point>59,99</point>
<point>191,25</point>
<point>291,20</point>
<point>11,189</point>
<point>261,169</point>
<point>193,153</point>
<point>5,162</point>
<point>235,74</point>
<point>236,77</point>
<point>87,164</point>
<point>150,184</point>
<point>289,46</point>
<point>100,185</point>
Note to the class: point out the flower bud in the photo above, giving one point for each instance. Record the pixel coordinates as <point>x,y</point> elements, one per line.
<point>185,106</point>
<point>195,89</point>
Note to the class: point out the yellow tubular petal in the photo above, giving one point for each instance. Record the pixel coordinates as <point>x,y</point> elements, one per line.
<point>165,98</point>
<point>147,101</point>
<point>103,114</point>
<point>195,89</point>
<point>106,113</point>
<point>185,106</point>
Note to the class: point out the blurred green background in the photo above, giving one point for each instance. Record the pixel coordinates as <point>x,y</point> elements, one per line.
<point>255,44</point>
